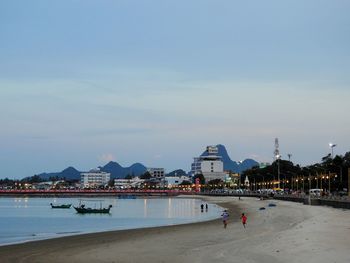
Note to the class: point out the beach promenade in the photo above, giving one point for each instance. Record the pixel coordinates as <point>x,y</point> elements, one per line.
<point>289,232</point>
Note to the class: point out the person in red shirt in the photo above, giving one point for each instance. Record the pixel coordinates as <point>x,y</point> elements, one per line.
<point>244,219</point>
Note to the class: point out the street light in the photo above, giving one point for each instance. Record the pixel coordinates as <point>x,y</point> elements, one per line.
<point>332,145</point>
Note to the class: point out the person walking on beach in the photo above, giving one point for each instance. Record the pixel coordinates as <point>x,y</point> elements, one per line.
<point>206,207</point>
<point>244,219</point>
<point>202,207</point>
<point>225,216</point>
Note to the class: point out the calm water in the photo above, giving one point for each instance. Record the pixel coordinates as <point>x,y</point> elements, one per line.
<point>27,219</point>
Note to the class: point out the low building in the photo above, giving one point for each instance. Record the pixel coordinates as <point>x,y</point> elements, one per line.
<point>156,172</point>
<point>233,179</point>
<point>42,185</point>
<point>172,181</point>
<point>95,178</point>
<point>128,183</point>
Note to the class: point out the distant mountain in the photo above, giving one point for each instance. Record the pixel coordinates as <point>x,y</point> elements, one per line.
<point>69,173</point>
<point>247,164</point>
<point>45,176</point>
<point>178,172</point>
<point>137,169</point>
<point>117,171</point>
<point>230,165</point>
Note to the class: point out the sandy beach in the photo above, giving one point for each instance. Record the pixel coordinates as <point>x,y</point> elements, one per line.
<point>289,232</point>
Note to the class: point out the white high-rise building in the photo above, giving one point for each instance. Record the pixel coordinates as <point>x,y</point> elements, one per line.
<point>210,165</point>
<point>95,178</point>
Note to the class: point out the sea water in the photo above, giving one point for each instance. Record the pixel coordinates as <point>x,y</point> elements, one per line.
<point>27,219</point>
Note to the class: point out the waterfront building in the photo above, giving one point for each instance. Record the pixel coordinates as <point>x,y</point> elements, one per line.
<point>95,178</point>
<point>235,179</point>
<point>128,183</point>
<point>156,172</point>
<point>196,167</point>
<point>209,164</point>
<point>171,181</point>
<point>43,185</point>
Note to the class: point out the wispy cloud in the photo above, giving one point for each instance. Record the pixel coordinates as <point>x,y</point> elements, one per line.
<point>106,157</point>
<point>115,131</point>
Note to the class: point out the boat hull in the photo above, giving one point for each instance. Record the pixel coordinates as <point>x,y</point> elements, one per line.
<point>61,206</point>
<point>92,211</point>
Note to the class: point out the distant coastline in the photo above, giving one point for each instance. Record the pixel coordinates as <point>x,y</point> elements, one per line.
<point>94,192</point>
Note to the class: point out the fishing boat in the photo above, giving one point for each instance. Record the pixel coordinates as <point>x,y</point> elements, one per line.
<point>81,209</point>
<point>61,206</point>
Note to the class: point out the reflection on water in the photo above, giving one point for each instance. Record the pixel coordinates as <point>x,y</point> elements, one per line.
<point>33,218</point>
<point>169,208</point>
<point>187,208</point>
<point>21,202</point>
<point>145,207</point>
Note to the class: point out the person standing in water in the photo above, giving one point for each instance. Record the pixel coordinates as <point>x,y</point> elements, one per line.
<point>244,219</point>
<point>225,216</point>
<point>202,207</point>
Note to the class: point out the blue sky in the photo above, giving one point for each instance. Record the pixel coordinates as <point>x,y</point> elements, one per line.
<point>85,82</point>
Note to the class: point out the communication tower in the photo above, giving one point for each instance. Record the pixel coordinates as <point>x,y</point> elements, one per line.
<point>277,151</point>
<point>277,158</point>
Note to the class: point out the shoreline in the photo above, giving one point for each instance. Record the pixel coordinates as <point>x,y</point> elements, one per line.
<point>289,232</point>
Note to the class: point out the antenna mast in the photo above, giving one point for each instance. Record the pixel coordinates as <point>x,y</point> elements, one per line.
<point>277,151</point>
<point>277,158</point>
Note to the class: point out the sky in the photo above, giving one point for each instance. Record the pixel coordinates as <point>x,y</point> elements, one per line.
<point>85,82</point>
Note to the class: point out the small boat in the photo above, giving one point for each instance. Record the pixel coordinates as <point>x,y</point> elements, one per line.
<point>272,205</point>
<point>81,209</point>
<point>61,206</point>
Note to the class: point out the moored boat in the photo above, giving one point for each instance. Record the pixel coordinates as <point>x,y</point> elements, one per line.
<point>81,209</point>
<point>61,206</point>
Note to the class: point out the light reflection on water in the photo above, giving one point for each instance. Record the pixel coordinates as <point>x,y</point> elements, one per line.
<point>26,219</point>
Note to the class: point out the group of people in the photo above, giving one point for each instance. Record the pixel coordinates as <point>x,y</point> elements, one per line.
<point>202,207</point>
<point>225,215</point>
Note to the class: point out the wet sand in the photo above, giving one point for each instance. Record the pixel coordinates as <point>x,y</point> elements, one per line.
<point>289,232</point>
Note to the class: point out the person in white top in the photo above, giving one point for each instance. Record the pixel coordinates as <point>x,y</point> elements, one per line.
<point>225,216</point>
